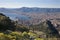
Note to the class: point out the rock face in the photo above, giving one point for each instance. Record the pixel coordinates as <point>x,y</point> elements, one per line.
<point>52,28</point>
<point>48,28</point>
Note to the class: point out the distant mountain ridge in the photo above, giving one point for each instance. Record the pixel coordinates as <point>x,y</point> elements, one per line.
<point>29,10</point>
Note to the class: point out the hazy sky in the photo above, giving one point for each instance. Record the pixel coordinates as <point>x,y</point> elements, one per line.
<point>30,3</point>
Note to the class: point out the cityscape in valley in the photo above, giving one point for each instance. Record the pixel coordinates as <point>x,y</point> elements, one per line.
<point>30,20</point>
<point>28,16</point>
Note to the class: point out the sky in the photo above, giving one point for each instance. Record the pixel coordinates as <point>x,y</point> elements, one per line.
<point>29,3</point>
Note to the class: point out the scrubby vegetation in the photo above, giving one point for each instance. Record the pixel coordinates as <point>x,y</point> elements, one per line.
<point>11,30</point>
<point>22,36</point>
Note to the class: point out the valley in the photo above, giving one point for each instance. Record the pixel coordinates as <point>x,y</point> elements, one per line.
<point>30,23</point>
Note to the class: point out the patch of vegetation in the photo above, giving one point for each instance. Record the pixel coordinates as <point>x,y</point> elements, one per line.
<point>6,23</point>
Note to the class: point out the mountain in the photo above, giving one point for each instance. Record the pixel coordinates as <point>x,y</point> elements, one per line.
<point>38,10</point>
<point>29,10</point>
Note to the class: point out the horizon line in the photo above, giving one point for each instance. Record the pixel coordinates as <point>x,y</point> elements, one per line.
<point>29,7</point>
